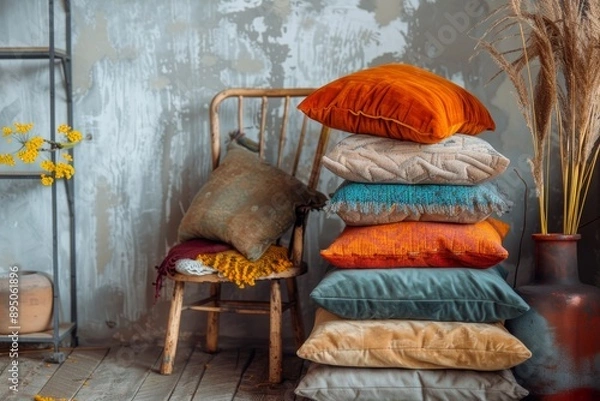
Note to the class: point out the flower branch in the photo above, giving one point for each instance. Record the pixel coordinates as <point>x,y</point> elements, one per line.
<point>33,146</point>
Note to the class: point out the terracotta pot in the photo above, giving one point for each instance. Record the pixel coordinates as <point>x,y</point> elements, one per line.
<point>34,296</point>
<point>562,329</point>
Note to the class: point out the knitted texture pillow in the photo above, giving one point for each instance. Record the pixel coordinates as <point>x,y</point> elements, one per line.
<point>398,101</point>
<point>246,203</point>
<point>457,160</point>
<point>419,244</point>
<point>411,344</point>
<point>363,204</point>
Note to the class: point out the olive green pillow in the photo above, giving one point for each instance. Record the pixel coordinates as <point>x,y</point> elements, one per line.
<point>246,203</point>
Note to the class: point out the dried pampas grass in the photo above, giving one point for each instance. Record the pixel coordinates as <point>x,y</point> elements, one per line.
<point>555,70</point>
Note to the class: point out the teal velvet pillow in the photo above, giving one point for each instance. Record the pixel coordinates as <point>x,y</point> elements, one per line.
<point>449,294</point>
<point>362,204</point>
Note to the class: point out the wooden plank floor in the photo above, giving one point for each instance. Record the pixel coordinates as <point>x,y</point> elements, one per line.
<point>132,373</point>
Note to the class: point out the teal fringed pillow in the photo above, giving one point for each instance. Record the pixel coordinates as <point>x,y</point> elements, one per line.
<point>449,294</point>
<point>363,204</point>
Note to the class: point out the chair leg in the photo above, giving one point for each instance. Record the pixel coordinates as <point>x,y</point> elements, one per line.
<point>212,324</point>
<point>295,311</point>
<point>172,335</point>
<point>275,351</point>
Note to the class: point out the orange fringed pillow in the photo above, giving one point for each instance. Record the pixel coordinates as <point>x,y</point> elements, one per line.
<point>398,101</point>
<point>419,244</point>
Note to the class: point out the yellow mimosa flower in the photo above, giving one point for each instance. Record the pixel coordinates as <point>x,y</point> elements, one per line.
<point>32,146</point>
<point>74,136</point>
<point>23,128</point>
<point>7,159</point>
<point>47,165</point>
<point>35,143</point>
<point>63,128</point>
<point>47,180</point>
<point>28,155</point>
<point>64,170</point>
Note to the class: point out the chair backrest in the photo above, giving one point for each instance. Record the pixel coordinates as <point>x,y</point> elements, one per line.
<point>285,137</point>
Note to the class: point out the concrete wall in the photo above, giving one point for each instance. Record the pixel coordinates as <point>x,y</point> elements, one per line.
<point>144,74</point>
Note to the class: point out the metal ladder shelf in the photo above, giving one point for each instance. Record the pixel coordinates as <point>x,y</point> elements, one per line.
<point>60,330</point>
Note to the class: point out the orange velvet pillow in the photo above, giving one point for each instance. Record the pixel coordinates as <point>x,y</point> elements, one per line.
<point>398,101</point>
<point>419,244</point>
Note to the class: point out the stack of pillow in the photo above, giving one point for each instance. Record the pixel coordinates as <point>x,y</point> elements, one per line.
<point>415,304</point>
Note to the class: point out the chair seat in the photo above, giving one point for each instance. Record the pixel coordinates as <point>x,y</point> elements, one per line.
<point>216,278</point>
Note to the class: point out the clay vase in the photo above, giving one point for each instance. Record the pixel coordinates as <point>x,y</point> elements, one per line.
<point>33,296</point>
<point>562,328</point>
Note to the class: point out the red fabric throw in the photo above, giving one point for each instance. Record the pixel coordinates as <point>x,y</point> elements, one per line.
<point>189,249</point>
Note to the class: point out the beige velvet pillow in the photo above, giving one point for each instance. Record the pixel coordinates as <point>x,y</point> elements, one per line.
<point>246,203</point>
<point>411,344</point>
<point>457,160</point>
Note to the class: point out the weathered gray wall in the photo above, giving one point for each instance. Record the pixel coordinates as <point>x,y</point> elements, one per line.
<point>144,73</point>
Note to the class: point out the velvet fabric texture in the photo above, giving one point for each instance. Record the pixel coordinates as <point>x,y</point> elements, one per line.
<point>452,294</point>
<point>411,344</point>
<point>457,160</point>
<point>362,204</point>
<point>398,101</point>
<point>419,244</point>
<point>246,203</point>
<point>339,383</point>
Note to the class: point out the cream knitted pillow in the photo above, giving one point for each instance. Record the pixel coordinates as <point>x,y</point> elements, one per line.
<point>457,160</point>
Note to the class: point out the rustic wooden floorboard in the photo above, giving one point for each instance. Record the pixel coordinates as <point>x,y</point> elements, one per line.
<point>305,365</point>
<point>254,380</point>
<point>4,362</point>
<point>33,374</point>
<point>255,386</point>
<point>73,373</point>
<point>121,374</point>
<point>157,387</point>
<point>222,375</point>
<point>293,370</point>
<point>132,374</point>
<point>193,373</point>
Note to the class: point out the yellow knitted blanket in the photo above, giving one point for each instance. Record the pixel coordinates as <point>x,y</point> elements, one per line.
<point>238,269</point>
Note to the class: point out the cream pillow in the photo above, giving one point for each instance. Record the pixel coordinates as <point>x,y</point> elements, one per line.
<point>411,344</point>
<point>457,160</point>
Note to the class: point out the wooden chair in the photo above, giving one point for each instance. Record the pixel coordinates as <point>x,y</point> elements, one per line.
<point>264,108</point>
